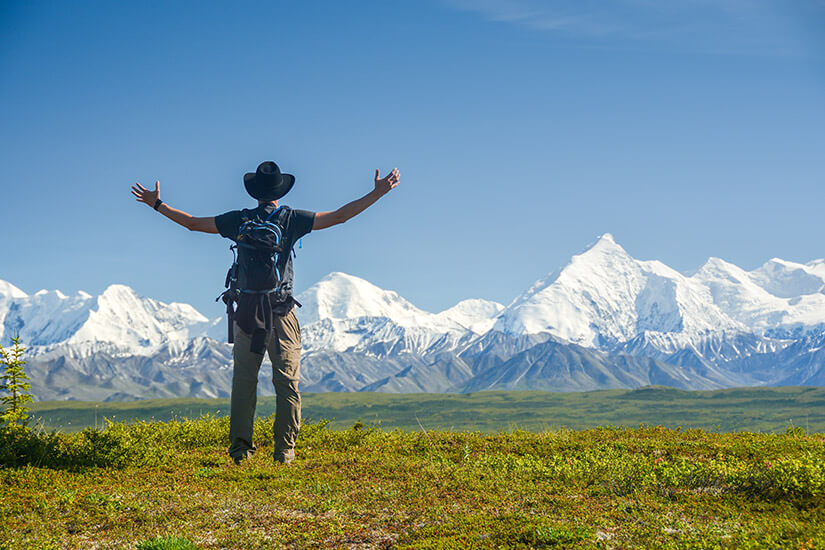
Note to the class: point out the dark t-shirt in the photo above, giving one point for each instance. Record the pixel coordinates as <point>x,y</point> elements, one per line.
<point>255,310</point>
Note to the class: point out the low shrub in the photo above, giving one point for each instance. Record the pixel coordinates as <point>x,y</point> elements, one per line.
<point>118,444</point>
<point>615,461</point>
<point>162,543</point>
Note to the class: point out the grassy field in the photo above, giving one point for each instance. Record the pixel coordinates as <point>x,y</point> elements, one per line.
<point>751,409</point>
<point>170,485</point>
<point>486,470</point>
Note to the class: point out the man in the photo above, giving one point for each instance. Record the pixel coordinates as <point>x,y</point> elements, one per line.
<point>265,317</point>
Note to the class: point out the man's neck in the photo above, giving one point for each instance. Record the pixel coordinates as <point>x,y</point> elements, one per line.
<point>273,203</point>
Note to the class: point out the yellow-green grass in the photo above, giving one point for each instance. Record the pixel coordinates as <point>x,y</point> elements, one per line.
<point>753,409</point>
<point>170,485</point>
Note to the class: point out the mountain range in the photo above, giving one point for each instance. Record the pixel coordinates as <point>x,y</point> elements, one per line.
<point>604,320</point>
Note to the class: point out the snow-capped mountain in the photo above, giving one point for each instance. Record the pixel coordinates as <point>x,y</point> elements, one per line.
<point>778,299</point>
<point>339,296</point>
<point>604,297</point>
<point>345,313</point>
<point>605,319</point>
<point>342,297</point>
<point>118,321</point>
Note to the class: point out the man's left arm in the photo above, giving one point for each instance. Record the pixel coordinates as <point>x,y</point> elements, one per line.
<point>382,187</point>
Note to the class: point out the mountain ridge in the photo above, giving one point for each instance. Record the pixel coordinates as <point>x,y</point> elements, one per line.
<point>604,309</point>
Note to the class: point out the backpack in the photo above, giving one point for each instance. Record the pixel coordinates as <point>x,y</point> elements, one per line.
<point>260,246</point>
<point>257,254</point>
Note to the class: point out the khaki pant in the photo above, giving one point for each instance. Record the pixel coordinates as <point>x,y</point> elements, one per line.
<point>284,347</point>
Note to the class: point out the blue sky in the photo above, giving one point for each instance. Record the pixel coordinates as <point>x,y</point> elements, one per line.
<point>522,129</point>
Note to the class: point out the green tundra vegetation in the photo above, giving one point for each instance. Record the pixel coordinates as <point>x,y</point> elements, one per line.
<point>165,485</point>
<point>739,409</point>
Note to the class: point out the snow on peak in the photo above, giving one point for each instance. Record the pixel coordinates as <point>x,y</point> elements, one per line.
<point>602,256</point>
<point>604,244</point>
<point>44,317</point>
<point>123,317</point>
<point>9,291</point>
<point>605,240</point>
<point>120,292</point>
<point>474,307</point>
<point>601,297</point>
<point>342,312</point>
<point>343,296</point>
<point>720,267</point>
<point>604,295</point>
<point>598,259</point>
<point>9,294</point>
<point>119,318</point>
<point>475,314</point>
<point>584,300</point>
<point>778,297</point>
<point>788,279</point>
<point>818,266</point>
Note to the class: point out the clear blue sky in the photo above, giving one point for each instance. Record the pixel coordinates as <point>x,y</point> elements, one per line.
<point>522,129</point>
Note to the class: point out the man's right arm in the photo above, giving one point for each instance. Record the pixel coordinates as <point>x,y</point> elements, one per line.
<point>190,222</point>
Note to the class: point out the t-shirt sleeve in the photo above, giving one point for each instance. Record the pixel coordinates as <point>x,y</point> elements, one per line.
<point>301,223</point>
<point>228,224</point>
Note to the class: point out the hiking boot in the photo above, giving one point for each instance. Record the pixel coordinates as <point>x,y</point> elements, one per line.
<point>241,457</point>
<point>285,457</point>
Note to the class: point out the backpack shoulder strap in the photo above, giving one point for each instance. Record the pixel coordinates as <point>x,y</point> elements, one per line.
<point>276,211</point>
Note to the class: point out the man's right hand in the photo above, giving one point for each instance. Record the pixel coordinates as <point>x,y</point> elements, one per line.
<point>387,183</point>
<point>382,187</point>
<point>145,196</point>
<point>190,222</point>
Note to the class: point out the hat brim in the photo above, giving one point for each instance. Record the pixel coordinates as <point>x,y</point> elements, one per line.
<point>268,194</point>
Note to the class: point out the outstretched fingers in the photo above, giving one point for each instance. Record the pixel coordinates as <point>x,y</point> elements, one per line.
<point>144,195</point>
<point>390,181</point>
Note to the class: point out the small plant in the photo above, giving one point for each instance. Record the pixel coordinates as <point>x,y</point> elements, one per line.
<point>14,383</point>
<point>794,431</point>
<point>167,543</point>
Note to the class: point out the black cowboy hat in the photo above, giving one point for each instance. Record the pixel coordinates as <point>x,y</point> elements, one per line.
<point>268,183</point>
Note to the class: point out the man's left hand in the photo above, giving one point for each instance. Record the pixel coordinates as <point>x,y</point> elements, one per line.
<point>144,195</point>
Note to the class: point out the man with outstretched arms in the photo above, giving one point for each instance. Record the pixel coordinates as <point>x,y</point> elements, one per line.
<point>259,299</point>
